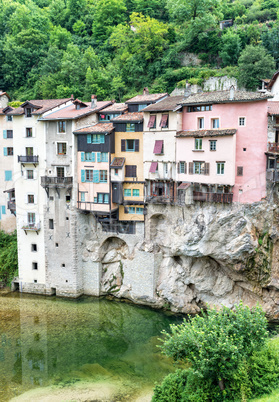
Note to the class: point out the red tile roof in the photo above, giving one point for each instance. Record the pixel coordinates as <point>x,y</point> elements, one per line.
<point>207,133</point>
<point>165,105</point>
<point>4,93</point>
<point>115,108</point>
<point>5,109</point>
<point>273,108</point>
<point>273,79</point>
<point>97,128</point>
<point>70,112</point>
<point>41,106</point>
<point>136,116</point>
<point>147,98</point>
<point>117,162</point>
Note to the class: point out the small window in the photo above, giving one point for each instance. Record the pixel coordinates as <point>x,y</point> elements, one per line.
<point>139,211</point>
<point>165,165</point>
<point>30,174</point>
<point>50,224</point>
<point>34,265</point>
<point>29,151</point>
<point>215,123</point>
<point>9,133</point>
<point>103,176</point>
<point>239,171</point>
<point>34,247</point>
<point>100,198</point>
<point>142,107</point>
<point>28,112</point>
<point>130,127</point>
<point>116,172</point>
<point>51,198</point>
<point>30,199</point>
<point>127,192</point>
<point>56,245</point>
<point>62,126</point>
<point>31,218</point>
<point>60,172</point>
<point>182,167</point>
<point>132,210</point>
<point>220,167</point>
<point>164,123</point>
<point>212,145</point>
<point>68,199</point>
<point>241,121</point>
<point>200,122</point>
<point>130,145</point>
<point>29,132</point>
<point>35,281</point>
<point>9,118</point>
<point>82,196</point>
<point>67,218</point>
<point>10,151</point>
<point>89,175</point>
<point>244,149</point>
<point>62,265</point>
<point>198,144</point>
<point>136,192</point>
<point>152,121</point>
<point>61,148</point>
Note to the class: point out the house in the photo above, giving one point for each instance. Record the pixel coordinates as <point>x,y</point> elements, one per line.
<point>162,120</point>
<point>221,149</point>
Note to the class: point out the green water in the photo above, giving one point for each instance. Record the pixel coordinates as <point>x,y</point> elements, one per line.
<point>50,341</point>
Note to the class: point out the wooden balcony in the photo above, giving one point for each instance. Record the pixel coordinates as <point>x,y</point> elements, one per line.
<point>159,199</point>
<point>273,147</point>
<point>225,198</point>
<point>12,207</point>
<point>51,181</point>
<point>272,175</point>
<point>31,227</point>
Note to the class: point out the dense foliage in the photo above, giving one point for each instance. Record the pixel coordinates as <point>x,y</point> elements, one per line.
<point>8,257</point>
<point>113,48</point>
<point>228,354</point>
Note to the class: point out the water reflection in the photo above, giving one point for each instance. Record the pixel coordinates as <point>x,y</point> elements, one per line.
<point>52,341</point>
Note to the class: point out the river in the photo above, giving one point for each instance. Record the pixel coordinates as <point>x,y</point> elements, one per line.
<point>55,349</point>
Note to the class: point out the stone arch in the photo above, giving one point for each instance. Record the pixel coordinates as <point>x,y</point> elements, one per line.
<point>157,227</point>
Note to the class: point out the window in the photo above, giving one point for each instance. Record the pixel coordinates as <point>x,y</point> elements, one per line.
<point>30,199</point>
<point>8,175</point>
<point>29,151</point>
<point>9,118</point>
<point>198,144</point>
<point>102,157</point>
<point>9,133</point>
<point>240,170</point>
<point>199,168</point>
<point>29,132</point>
<point>103,176</point>
<point>34,247</point>
<point>116,172</point>
<point>34,265</point>
<point>68,199</point>
<point>152,121</point>
<point>142,107</point>
<point>127,192</point>
<point>62,126</point>
<point>203,108</point>
<point>30,174</point>
<point>136,192</point>
<point>215,123</point>
<point>50,224</point>
<point>104,117</point>
<point>95,138</point>
<point>60,172</point>
<point>220,167</point>
<point>165,166</point>
<point>130,127</point>
<point>164,123</point>
<point>129,145</point>
<point>241,121</point>
<point>102,198</point>
<point>182,167</point>
<point>56,245</point>
<point>82,196</point>
<point>132,210</point>
<point>61,148</point>
<point>89,175</point>
<point>28,112</point>
<point>244,149</point>
<point>31,218</point>
<point>131,171</point>
<point>158,147</point>
<point>10,151</point>
<point>139,211</point>
<point>212,145</point>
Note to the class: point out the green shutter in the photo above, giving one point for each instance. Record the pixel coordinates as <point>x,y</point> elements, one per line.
<point>98,156</point>
<point>93,156</point>
<point>83,176</point>
<point>96,176</point>
<point>5,134</point>
<point>102,139</point>
<point>82,156</point>
<point>3,210</point>
<point>88,138</point>
<point>5,151</point>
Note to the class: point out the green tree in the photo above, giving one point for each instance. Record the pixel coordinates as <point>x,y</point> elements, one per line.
<point>254,63</point>
<point>8,257</point>
<point>231,47</point>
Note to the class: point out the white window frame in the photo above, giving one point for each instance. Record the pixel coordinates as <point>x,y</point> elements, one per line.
<point>219,168</point>
<point>244,120</point>
<point>215,146</point>
<point>61,142</point>
<point>213,119</point>
<point>182,164</point>
<point>198,144</point>
<point>200,120</point>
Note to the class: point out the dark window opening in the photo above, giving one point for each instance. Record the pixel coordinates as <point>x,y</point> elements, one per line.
<point>239,170</point>
<point>33,247</point>
<point>34,265</point>
<point>68,198</point>
<point>56,244</point>
<point>50,224</point>
<point>62,265</point>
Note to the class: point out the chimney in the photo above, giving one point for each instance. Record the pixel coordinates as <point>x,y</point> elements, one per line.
<point>187,91</point>
<point>145,91</point>
<point>232,92</point>
<point>93,101</point>
<point>72,97</point>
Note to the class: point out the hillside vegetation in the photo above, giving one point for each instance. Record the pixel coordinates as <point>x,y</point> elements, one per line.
<point>113,48</point>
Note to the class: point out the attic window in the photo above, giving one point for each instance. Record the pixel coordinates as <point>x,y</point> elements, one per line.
<point>28,112</point>
<point>152,121</point>
<point>164,121</point>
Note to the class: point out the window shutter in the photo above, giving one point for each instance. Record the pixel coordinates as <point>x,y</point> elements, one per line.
<point>239,171</point>
<point>178,170</point>
<point>134,171</point>
<point>102,140</point>
<point>206,169</point>
<point>123,147</point>
<point>136,145</point>
<point>96,177</point>
<point>98,156</point>
<point>191,167</point>
<point>35,175</point>
<point>35,199</point>
<point>93,156</point>
<point>185,168</point>
<point>5,151</point>
<point>25,174</point>
<point>82,156</point>
<point>5,134</point>
<point>127,171</point>
<point>82,176</point>
<point>26,198</point>
<point>3,210</point>
<point>88,138</point>
<point>33,132</point>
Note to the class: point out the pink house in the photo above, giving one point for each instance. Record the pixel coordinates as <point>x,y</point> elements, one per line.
<point>221,149</point>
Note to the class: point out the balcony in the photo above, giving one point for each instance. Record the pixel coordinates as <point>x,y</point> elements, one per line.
<point>273,147</point>
<point>24,159</point>
<point>272,175</point>
<point>12,207</point>
<point>225,198</point>
<point>31,227</point>
<point>159,199</point>
<point>50,181</point>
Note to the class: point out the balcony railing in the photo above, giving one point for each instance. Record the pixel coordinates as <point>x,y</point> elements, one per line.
<point>225,198</point>
<point>159,199</point>
<point>28,158</point>
<point>12,206</point>
<point>56,181</point>
<point>273,147</point>
<point>272,175</point>
<point>32,227</point>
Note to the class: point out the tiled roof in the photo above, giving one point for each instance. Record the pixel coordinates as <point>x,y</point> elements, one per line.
<point>117,162</point>
<point>266,80</point>
<point>273,79</point>
<point>115,108</point>
<point>136,116</point>
<point>183,186</point>
<point>41,105</point>
<point>5,109</point>
<point>204,98</point>
<point>168,104</point>
<point>4,93</point>
<point>207,133</point>
<point>146,98</point>
<point>70,112</point>
<point>273,108</point>
<point>97,128</point>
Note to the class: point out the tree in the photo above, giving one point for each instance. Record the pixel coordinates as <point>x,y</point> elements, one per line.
<point>231,47</point>
<point>254,63</point>
<point>217,342</point>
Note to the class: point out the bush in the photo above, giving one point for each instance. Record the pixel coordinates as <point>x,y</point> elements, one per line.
<point>8,257</point>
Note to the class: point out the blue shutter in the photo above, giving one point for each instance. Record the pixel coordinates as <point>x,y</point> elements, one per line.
<point>82,156</point>
<point>96,177</point>
<point>88,138</point>
<point>106,198</point>
<point>3,210</point>
<point>4,133</point>
<point>102,140</point>
<point>93,156</point>
<point>5,151</point>
<point>83,176</point>
<point>98,156</point>
<point>8,175</point>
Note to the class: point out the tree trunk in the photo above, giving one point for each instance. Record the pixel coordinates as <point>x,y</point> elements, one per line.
<point>221,384</point>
